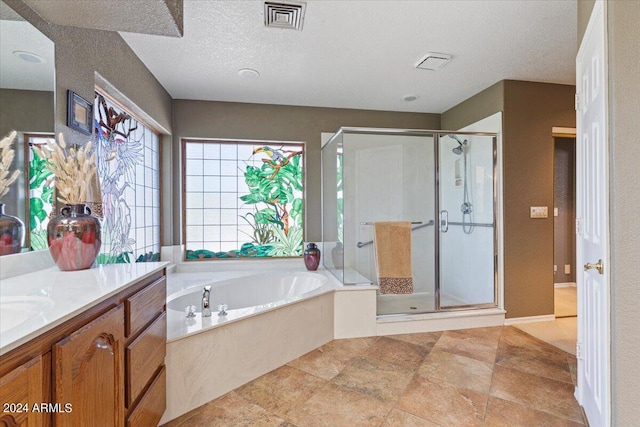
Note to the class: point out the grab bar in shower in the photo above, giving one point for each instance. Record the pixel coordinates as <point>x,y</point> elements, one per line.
<point>472,224</point>
<point>412,222</point>
<point>421,225</point>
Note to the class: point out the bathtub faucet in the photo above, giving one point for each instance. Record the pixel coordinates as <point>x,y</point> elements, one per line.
<point>206,301</point>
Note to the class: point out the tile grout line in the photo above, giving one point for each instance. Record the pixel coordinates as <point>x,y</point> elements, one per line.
<point>493,371</point>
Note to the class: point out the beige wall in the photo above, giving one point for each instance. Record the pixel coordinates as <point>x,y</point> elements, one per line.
<point>530,111</point>
<point>477,107</point>
<point>624,111</point>
<point>26,111</point>
<point>204,119</point>
<point>23,111</point>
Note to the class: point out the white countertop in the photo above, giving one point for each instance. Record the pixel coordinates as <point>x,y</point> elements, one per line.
<point>33,303</point>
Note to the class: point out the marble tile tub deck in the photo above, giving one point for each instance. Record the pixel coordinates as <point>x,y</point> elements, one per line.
<point>473,377</point>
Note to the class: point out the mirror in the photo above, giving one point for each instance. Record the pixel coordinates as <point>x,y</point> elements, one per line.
<point>27,86</point>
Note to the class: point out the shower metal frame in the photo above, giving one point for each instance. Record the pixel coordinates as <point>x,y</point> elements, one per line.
<point>436,134</point>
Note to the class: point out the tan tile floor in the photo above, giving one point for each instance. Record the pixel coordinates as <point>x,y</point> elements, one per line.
<point>473,377</point>
<point>563,331</point>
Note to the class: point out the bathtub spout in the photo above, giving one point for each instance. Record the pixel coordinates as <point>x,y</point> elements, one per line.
<point>206,301</point>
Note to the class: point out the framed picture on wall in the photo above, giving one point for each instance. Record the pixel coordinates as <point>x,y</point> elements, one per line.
<point>79,113</point>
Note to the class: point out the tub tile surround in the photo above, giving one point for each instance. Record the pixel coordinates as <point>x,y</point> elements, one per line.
<point>203,366</point>
<point>407,380</point>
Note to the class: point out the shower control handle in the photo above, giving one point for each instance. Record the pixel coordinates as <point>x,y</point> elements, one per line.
<point>444,221</point>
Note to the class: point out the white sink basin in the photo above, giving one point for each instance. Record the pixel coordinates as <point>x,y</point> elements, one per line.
<point>14,311</point>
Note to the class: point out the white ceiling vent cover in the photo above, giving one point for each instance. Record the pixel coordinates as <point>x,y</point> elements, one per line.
<point>284,15</point>
<point>433,61</point>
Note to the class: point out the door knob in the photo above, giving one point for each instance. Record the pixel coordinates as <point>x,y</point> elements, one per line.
<point>599,266</point>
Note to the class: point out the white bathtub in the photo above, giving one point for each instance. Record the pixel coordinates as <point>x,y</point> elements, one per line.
<point>263,290</point>
<point>273,316</point>
<point>248,295</point>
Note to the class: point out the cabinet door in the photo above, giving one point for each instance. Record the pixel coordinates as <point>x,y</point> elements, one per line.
<point>20,390</point>
<point>89,373</point>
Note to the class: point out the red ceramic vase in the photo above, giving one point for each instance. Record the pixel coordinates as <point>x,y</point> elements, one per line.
<point>74,238</point>
<point>312,257</point>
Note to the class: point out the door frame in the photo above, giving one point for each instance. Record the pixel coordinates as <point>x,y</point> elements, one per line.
<point>565,132</point>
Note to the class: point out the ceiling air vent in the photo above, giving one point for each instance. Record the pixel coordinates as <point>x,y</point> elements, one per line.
<point>284,15</point>
<point>433,61</point>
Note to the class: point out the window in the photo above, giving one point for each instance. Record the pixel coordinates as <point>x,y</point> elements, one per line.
<point>242,199</point>
<point>41,192</point>
<point>128,158</point>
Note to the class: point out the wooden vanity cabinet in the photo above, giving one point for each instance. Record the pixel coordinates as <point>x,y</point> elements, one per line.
<point>104,367</point>
<point>88,373</point>
<point>20,389</point>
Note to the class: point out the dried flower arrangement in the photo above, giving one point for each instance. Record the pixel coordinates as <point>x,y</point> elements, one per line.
<point>6,158</point>
<point>73,169</point>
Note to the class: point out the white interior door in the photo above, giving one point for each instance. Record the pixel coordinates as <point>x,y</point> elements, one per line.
<point>592,242</point>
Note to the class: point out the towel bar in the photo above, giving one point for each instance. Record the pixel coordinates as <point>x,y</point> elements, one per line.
<point>422,225</point>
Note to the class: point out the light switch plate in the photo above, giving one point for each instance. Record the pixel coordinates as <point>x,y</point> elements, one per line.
<point>555,211</point>
<point>539,212</point>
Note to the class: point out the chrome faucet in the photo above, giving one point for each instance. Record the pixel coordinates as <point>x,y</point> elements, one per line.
<point>206,306</point>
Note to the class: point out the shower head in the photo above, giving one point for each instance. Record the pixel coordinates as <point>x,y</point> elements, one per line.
<point>461,144</point>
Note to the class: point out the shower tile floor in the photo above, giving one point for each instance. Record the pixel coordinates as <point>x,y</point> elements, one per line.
<point>413,303</point>
<point>473,377</point>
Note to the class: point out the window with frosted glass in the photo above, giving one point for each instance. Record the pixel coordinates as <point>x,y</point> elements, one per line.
<point>242,199</point>
<point>128,160</point>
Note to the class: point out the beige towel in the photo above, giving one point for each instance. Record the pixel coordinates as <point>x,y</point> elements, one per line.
<point>392,245</point>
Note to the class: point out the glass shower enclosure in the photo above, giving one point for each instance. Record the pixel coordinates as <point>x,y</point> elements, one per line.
<point>444,183</point>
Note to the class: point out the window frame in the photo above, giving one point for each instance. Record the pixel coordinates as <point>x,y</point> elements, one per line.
<point>183,190</point>
<point>99,91</point>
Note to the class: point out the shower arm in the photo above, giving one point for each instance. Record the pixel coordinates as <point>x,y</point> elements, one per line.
<point>370,242</point>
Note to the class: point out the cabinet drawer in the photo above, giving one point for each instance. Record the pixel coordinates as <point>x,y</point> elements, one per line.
<point>153,404</point>
<point>144,355</point>
<point>144,306</point>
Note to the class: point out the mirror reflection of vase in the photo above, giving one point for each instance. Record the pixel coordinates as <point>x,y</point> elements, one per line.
<point>74,238</point>
<point>11,233</point>
<point>337,255</point>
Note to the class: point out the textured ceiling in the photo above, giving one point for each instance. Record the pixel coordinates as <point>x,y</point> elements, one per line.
<point>16,73</point>
<point>161,17</point>
<point>361,54</point>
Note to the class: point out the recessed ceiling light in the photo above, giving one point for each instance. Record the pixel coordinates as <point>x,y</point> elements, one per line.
<point>410,98</point>
<point>248,73</point>
<point>28,56</point>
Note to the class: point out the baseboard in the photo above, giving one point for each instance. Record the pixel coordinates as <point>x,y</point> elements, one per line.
<point>530,319</point>
<point>565,285</point>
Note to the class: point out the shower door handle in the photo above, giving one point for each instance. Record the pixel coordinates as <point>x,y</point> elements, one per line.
<point>444,221</point>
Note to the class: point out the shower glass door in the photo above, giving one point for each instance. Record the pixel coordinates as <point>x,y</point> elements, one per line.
<point>467,224</point>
